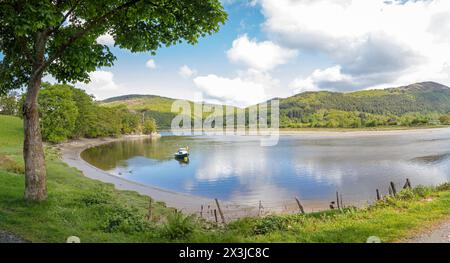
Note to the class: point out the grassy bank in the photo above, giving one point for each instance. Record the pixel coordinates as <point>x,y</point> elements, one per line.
<point>96,212</point>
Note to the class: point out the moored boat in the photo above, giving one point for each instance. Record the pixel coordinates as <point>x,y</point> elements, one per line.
<point>182,153</point>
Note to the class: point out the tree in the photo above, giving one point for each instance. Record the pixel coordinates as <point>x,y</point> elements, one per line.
<point>9,103</point>
<point>149,126</point>
<point>445,119</point>
<point>86,112</point>
<point>58,112</point>
<point>58,38</point>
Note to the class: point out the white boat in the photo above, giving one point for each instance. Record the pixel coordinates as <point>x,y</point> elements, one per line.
<point>182,153</point>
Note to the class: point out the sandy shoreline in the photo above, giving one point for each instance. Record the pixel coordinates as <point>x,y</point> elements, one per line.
<point>324,133</point>
<point>357,133</point>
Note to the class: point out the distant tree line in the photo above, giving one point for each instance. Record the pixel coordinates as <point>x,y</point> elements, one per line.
<point>324,118</point>
<point>68,113</point>
<point>368,108</point>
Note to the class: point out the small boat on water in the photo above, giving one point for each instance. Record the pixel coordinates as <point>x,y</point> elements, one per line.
<point>182,153</point>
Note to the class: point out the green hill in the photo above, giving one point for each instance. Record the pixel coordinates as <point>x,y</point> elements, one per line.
<point>157,107</point>
<point>412,105</point>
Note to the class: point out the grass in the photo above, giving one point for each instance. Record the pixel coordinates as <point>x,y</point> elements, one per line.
<point>96,212</point>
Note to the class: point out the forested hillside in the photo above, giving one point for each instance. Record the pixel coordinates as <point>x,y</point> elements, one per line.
<point>417,104</point>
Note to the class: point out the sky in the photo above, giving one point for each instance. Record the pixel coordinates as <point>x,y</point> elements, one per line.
<point>278,48</point>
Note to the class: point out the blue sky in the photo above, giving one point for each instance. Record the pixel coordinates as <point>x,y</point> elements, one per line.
<point>208,56</point>
<point>277,48</point>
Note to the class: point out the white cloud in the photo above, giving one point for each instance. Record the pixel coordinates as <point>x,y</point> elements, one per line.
<point>150,64</point>
<point>187,72</point>
<point>262,56</point>
<point>248,88</point>
<point>245,2</point>
<point>106,39</point>
<point>102,84</point>
<point>318,77</point>
<point>374,42</point>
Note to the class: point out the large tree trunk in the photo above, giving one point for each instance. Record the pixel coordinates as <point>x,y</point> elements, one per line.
<point>33,151</point>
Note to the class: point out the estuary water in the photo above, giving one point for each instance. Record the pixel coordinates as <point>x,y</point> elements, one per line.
<point>311,167</point>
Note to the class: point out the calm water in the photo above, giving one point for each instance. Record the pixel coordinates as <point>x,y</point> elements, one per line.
<point>238,169</point>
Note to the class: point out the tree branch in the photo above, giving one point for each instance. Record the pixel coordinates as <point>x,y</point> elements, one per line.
<point>23,45</point>
<point>89,26</point>
<point>65,17</point>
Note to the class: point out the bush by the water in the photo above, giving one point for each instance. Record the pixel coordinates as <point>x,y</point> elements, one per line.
<point>67,112</point>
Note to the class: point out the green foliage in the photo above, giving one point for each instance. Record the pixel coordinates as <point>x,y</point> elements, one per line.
<point>97,197</point>
<point>153,107</point>
<point>178,226</point>
<point>67,112</point>
<point>270,224</point>
<point>87,116</point>
<point>415,105</point>
<point>445,119</point>
<point>67,31</point>
<point>58,112</point>
<point>97,212</point>
<point>126,220</point>
<point>425,191</point>
<point>149,126</point>
<point>9,104</point>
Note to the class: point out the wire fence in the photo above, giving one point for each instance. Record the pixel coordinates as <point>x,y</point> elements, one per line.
<point>223,212</point>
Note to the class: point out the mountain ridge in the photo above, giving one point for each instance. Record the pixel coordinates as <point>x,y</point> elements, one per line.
<point>418,85</point>
<point>417,103</point>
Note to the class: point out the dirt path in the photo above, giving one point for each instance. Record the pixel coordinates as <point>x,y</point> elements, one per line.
<point>438,234</point>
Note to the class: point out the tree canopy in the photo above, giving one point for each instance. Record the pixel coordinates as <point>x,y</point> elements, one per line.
<point>59,38</point>
<point>70,29</point>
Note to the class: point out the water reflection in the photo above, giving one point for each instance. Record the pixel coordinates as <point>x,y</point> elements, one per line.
<point>311,167</point>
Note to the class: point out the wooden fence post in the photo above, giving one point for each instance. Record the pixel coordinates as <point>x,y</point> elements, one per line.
<point>220,211</point>
<point>259,208</point>
<point>201,211</point>
<point>378,195</point>
<point>337,201</point>
<point>407,184</point>
<point>215,215</point>
<point>299,205</point>
<point>150,212</point>
<point>394,191</point>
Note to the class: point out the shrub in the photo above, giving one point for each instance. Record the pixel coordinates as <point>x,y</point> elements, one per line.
<point>270,224</point>
<point>423,191</point>
<point>125,220</point>
<point>443,187</point>
<point>178,226</point>
<point>406,194</point>
<point>96,198</point>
